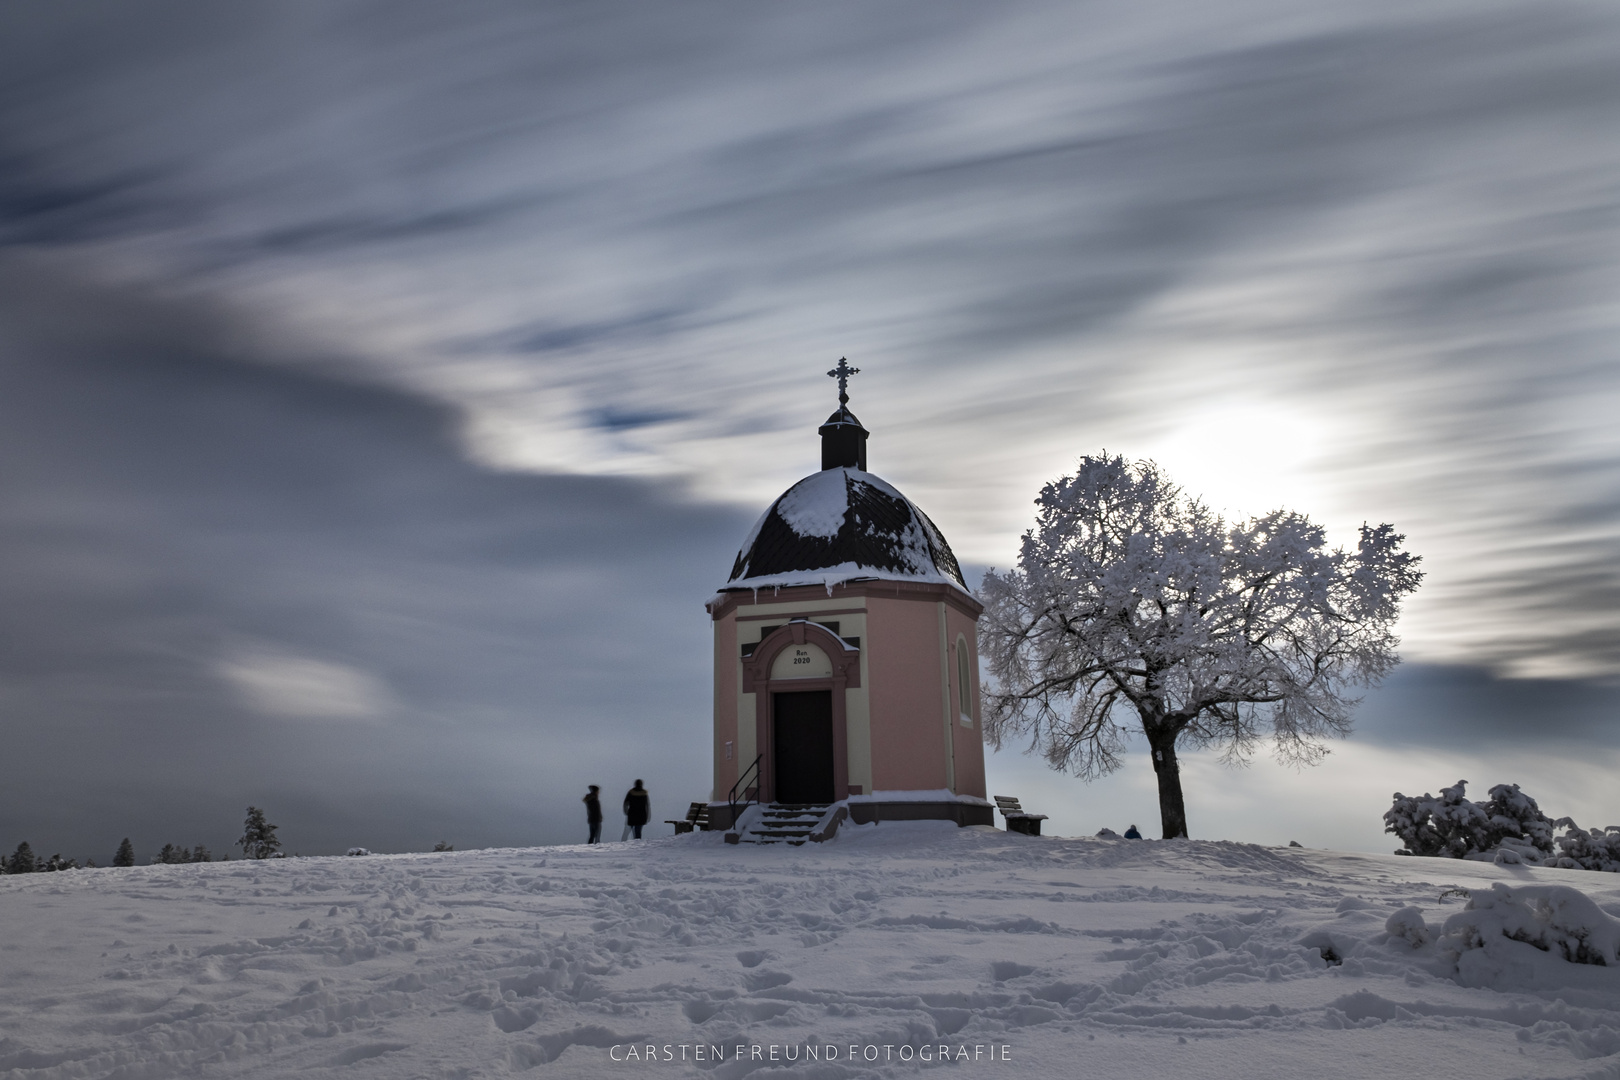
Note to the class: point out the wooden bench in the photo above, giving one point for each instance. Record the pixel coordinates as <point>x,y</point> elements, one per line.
<point>697,817</point>
<point>1017,820</point>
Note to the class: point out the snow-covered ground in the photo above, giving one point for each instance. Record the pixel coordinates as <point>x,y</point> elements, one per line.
<point>1043,956</point>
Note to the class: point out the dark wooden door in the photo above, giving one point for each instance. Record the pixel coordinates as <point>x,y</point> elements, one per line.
<point>804,746</point>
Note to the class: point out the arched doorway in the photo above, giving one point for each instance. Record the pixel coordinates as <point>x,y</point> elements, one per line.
<point>802,741</point>
<point>798,675</point>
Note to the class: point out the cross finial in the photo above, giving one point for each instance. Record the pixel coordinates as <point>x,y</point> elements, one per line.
<point>842,373</point>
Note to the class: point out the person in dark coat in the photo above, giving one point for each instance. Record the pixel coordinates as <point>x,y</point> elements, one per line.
<point>593,814</point>
<point>637,809</point>
<point>1133,833</point>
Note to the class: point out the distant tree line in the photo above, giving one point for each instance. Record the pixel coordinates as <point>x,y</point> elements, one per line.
<point>173,854</point>
<point>258,842</point>
<point>24,861</point>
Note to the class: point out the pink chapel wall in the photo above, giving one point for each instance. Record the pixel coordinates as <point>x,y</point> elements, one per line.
<point>908,747</point>
<point>902,729</point>
<point>968,739</point>
<point>727,687</point>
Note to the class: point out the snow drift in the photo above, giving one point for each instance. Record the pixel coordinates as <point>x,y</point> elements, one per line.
<point>1105,957</point>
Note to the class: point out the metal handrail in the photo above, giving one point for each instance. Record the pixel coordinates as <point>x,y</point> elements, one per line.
<point>731,796</point>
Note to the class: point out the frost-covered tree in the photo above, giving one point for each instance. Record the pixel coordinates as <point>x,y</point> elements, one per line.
<point>258,836</point>
<point>125,856</point>
<point>1134,607</point>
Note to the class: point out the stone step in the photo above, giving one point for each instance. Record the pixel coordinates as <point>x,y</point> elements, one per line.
<point>785,823</point>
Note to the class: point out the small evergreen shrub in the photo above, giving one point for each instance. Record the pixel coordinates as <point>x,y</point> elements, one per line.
<point>258,836</point>
<point>22,860</point>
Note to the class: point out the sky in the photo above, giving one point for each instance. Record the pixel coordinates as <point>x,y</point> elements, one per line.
<point>384,388</point>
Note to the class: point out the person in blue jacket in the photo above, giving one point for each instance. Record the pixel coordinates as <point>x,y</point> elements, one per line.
<point>1132,833</point>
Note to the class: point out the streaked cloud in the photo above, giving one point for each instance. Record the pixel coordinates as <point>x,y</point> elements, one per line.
<point>273,682</point>
<point>356,329</point>
<point>1366,249</point>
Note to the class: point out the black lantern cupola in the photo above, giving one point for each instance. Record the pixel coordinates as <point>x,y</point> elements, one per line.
<point>843,439</point>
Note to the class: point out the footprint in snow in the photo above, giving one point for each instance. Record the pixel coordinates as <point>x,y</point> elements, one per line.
<point>369,1050</point>
<point>766,980</point>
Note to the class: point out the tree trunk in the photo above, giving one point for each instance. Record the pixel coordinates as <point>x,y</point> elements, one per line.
<point>1172,808</point>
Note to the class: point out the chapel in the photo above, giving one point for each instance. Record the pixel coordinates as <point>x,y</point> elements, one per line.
<point>845,660</point>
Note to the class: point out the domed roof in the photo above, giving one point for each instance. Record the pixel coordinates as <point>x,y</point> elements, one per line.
<point>843,524</point>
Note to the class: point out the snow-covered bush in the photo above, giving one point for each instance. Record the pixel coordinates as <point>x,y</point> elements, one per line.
<point>1408,925</point>
<point>1556,919</point>
<point>1447,826</point>
<point>358,851</point>
<point>1451,826</point>
<point>1596,850</point>
<point>1510,828</point>
<point>1515,815</point>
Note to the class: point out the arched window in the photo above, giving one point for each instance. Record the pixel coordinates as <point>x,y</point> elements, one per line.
<point>964,683</point>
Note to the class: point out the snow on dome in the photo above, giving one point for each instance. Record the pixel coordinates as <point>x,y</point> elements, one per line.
<point>839,525</point>
<point>816,505</point>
